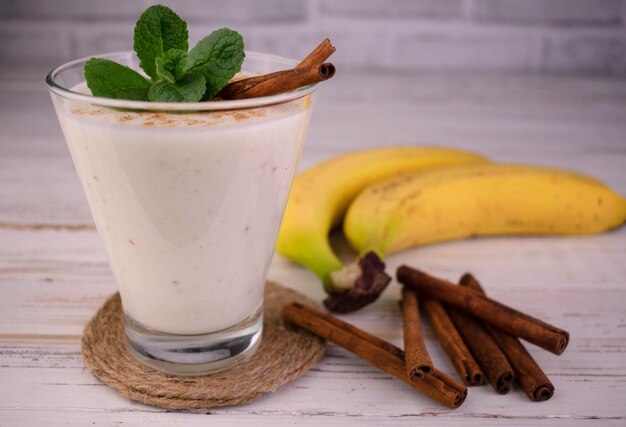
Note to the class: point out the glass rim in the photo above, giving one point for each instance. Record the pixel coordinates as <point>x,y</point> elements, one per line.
<point>58,89</point>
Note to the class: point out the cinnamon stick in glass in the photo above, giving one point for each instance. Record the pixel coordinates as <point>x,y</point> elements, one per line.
<point>509,320</point>
<point>487,353</point>
<point>378,352</point>
<point>277,82</point>
<point>452,343</point>
<point>528,374</point>
<point>416,356</point>
<point>310,70</point>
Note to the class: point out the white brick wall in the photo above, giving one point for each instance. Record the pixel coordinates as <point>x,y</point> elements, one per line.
<point>399,9</point>
<point>550,12</point>
<point>553,36</point>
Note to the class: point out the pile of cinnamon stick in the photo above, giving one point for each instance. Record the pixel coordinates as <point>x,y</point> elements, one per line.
<point>479,335</point>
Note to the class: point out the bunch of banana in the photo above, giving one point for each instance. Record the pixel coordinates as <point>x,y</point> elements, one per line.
<point>396,198</point>
<point>318,202</point>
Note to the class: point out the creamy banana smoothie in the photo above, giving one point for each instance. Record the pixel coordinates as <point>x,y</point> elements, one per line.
<point>188,200</point>
<point>186,156</point>
<point>188,205</point>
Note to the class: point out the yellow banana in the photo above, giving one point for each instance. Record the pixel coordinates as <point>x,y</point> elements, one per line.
<point>321,195</point>
<point>463,201</point>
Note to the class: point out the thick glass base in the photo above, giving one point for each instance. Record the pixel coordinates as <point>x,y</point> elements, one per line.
<point>194,354</point>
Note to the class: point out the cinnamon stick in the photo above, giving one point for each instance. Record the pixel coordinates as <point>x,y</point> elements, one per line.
<point>487,353</point>
<point>310,70</point>
<point>416,356</point>
<point>320,54</point>
<point>509,320</point>
<point>528,374</point>
<point>378,352</point>
<point>452,343</point>
<point>277,82</point>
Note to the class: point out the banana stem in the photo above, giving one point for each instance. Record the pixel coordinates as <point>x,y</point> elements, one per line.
<point>349,288</point>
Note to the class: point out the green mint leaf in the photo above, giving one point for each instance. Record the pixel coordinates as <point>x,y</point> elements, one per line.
<point>218,57</point>
<point>189,89</point>
<point>111,80</point>
<point>170,67</point>
<point>158,30</point>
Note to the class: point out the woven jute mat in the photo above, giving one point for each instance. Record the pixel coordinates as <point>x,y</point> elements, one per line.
<point>285,353</point>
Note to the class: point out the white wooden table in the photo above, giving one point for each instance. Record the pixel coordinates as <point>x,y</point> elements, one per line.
<point>54,275</point>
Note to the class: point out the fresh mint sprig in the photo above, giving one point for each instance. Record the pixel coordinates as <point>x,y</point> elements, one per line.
<point>175,75</point>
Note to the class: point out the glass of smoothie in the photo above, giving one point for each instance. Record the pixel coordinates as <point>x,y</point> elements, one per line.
<point>188,199</point>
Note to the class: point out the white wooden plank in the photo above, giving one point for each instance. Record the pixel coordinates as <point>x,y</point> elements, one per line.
<point>46,418</point>
<point>373,394</point>
<point>348,387</point>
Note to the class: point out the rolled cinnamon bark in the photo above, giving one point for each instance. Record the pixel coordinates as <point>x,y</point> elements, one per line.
<point>378,352</point>
<point>452,343</point>
<point>509,320</point>
<point>417,360</point>
<point>277,82</point>
<point>528,374</point>
<point>310,70</point>
<point>487,353</point>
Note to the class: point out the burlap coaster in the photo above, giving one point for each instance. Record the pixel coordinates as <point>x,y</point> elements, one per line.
<point>285,354</point>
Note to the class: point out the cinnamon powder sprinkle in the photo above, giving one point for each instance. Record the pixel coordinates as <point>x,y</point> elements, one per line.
<point>171,120</point>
